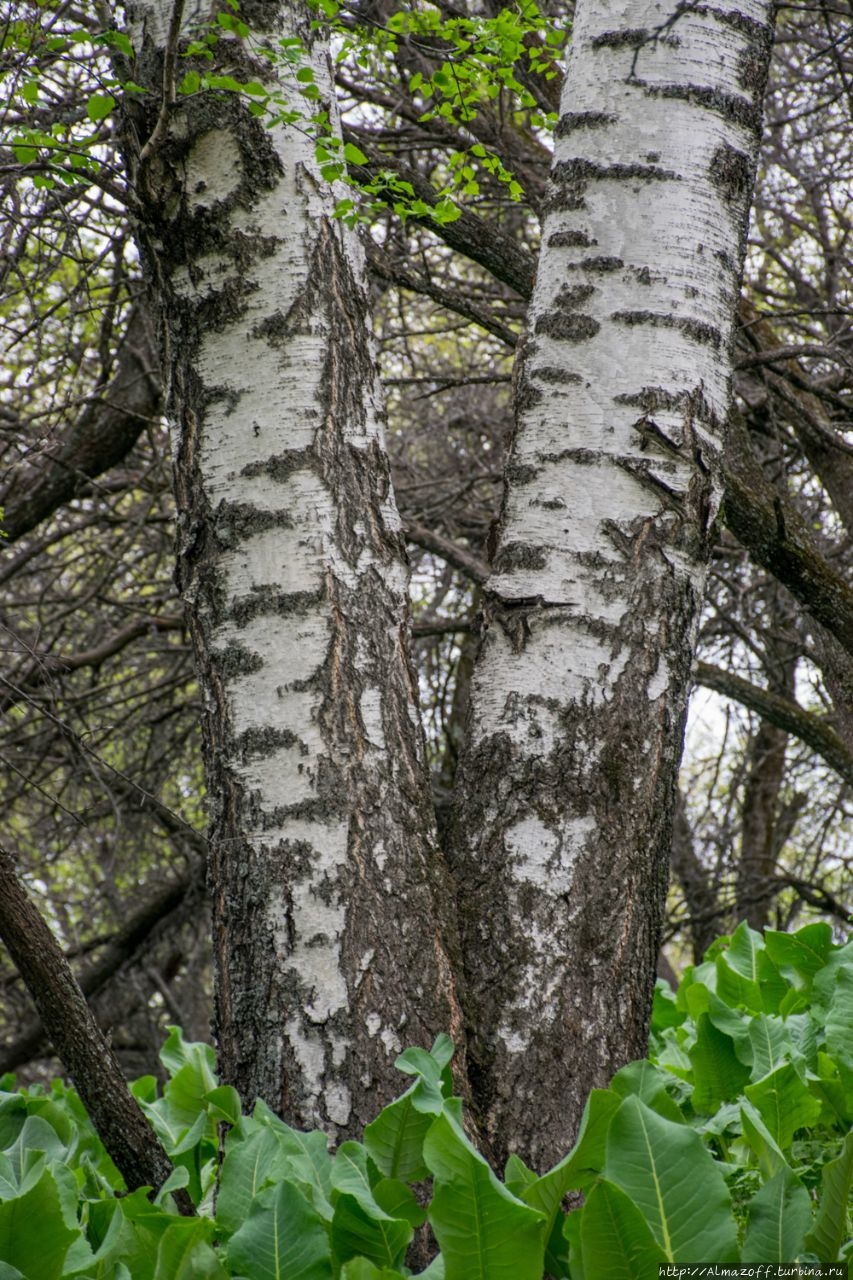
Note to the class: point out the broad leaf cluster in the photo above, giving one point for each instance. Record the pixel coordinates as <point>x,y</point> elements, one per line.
<point>730,1143</point>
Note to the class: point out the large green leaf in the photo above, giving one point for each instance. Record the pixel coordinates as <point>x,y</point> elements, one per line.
<point>718,1073</point>
<point>832,1221</point>
<point>839,1026</point>
<point>34,1234</point>
<point>251,1162</point>
<point>484,1232</point>
<point>13,1113</point>
<point>665,1011</point>
<point>785,1103</point>
<point>615,1238</point>
<point>145,1226</point>
<point>780,1214</point>
<point>771,1043</point>
<point>308,1154</point>
<point>673,1179</point>
<point>184,1252</point>
<point>648,1082</point>
<point>761,1141</point>
<point>395,1139</point>
<point>577,1169</point>
<point>805,951</point>
<point>747,976</point>
<point>284,1238</point>
<point>360,1225</point>
<point>362,1269</point>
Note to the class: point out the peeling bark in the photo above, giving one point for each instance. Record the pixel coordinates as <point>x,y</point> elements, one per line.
<point>330,903</point>
<point>563,821</point>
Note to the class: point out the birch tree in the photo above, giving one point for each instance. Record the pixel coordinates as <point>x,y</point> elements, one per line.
<point>565,799</point>
<point>202,265</point>
<point>331,912</point>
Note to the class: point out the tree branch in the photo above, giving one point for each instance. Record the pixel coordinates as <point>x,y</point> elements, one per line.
<point>782,712</point>
<point>129,1139</point>
<point>132,938</point>
<point>462,559</point>
<point>103,433</point>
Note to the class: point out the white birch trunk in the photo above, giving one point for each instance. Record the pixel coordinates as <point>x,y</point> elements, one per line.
<point>565,799</point>
<point>327,890</point>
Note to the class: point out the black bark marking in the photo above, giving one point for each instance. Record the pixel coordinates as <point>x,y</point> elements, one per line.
<point>234,522</point>
<point>281,466</point>
<point>570,179</point>
<point>731,173</point>
<point>733,107</point>
<point>262,742</point>
<point>564,321</point>
<point>556,374</point>
<point>601,265</point>
<point>571,240</point>
<point>630,38</point>
<point>519,555</point>
<point>233,660</point>
<point>698,330</point>
<point>574,120</point>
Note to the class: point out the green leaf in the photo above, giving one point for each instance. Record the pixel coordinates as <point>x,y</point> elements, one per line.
<point>363,1269</point>
<point>784,1102</point>
<point>718,1073</point>
<point>191,83</point>
<point>839,1024</point>
<point>771,1044</point>
<point>284,1238</point>
<point>395,1138</point>
<point>308,1157</point>
<point>779,1217</point>
<point>665,1011</point>
<point>832,1222</point>
<point>746,975</point>
<point>250,1163</point>
<point>615,1238</point>
<point>805,951</point>
<point>184,1252</point>
<point>99,106</point>
<point>761,1141</point>
<point>674,1181</point>
<point>13,1115</point>
<point>360,1225</point>
<point>398,1201</point>
<point>223,1103</point>
<point>34,1234</point>
<point>353,155</point>
<point>484,1232</point>
<point>648,1082</point>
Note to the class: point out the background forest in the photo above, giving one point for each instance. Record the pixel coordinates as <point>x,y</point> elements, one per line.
<point>447,132</point>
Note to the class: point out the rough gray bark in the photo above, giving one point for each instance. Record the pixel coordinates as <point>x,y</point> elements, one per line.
<point>330,902</point>
<point>563,822</point>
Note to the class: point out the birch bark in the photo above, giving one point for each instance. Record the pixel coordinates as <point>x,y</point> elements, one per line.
<point>564,806</point>
<point>327,888</point>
